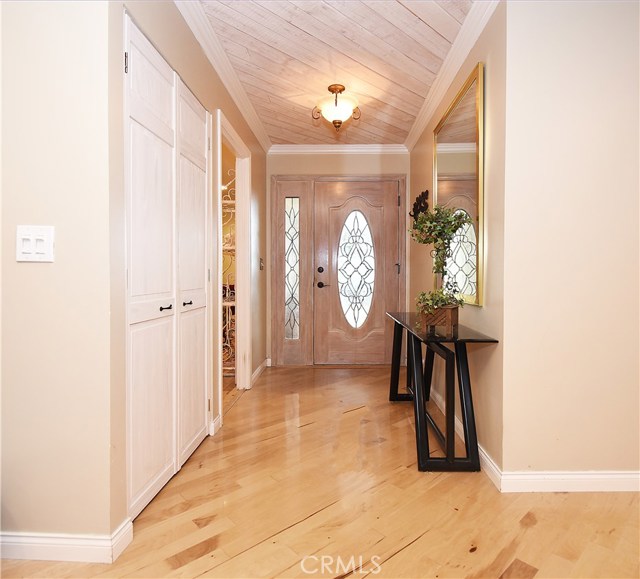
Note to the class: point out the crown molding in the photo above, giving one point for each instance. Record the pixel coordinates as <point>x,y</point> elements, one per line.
<point>456,148</point>
<point>338,150</point>
<point>472,27</point>
<point>196,19</point>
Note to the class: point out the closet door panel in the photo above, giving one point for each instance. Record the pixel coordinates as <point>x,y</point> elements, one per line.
<point>150,420</point>
<point>192,227</point>
<point>192,193</point>
<point>192,128</point>
<point>151,217</point>
<point>151,366</point>
<point>151,86</point>
<point>192,395</point>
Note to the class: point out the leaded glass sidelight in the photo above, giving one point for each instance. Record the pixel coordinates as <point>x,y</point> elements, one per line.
<point>356,268</point>
<point>292,268</point>
<point>461,266</point>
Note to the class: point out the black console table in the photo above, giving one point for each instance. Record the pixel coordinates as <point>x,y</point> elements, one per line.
<point>419,386</point>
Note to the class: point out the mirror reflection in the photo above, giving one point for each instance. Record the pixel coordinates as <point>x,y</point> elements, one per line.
<point>458,160</point>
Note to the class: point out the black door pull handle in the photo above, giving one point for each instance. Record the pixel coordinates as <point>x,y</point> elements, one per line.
<point>187,303</point>
<point>322,284</point>
<point>169,307</point>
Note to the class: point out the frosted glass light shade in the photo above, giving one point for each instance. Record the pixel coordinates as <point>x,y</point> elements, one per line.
<point>340,112</point>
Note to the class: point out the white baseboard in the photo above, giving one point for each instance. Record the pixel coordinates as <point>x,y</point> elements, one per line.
<point>67,547</point>
<point>268,362</point>
<point>215,425</point>
<point>121,538</point>
<point>259,370</point>
<point>548,481</point>
<point>569,481</point>
<point>488,465</point>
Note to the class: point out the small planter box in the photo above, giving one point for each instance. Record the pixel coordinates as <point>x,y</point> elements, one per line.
<point>446,316</point>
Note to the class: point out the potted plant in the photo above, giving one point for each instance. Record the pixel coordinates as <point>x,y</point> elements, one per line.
<point>437,227</point>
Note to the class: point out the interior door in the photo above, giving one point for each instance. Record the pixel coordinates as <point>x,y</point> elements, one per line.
<point>192,273</point>
<point>150,146</point>
<point>356,270</point>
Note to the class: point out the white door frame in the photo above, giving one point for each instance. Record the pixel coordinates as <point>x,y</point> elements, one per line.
<point>225,132</point>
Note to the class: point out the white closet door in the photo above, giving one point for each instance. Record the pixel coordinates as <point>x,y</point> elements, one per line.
<point>192,267</point>
<point>150,159</point>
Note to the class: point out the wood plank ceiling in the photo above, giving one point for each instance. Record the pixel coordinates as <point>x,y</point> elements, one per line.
<point>286,53</point>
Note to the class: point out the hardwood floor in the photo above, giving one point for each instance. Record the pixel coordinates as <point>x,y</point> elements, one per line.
<point>230,394</point>
<point>314,474</point>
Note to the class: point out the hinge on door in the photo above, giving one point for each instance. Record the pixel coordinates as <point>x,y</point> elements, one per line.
<point>398,266</point>
<point>209,275</point>
<point>126,62</point>
<point>209,404</point>
<point>398,200</point>
<point>209,143</point>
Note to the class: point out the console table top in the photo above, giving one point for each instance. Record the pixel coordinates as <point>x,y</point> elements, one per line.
<point>411,322</point>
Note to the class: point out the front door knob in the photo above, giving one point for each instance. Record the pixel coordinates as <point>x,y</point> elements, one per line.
<point>322,284</point>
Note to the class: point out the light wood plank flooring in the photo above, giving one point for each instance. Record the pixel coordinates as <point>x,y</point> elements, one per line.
<point>230,394</point>
<point>314,474</point>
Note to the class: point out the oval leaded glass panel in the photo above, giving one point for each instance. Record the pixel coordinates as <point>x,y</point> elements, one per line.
<point>461,265</point>
<point>356,268</point>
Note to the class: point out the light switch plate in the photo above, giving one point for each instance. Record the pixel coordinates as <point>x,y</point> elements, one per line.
<point>35,243</point>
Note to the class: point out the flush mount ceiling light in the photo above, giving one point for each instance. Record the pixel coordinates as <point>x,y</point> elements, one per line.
<point>337,112</point>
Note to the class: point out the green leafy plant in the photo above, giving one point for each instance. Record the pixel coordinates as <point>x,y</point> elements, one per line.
<point>437,227</point>
<point>428,302</point>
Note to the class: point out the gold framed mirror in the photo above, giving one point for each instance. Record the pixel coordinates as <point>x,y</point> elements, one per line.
<point>458,157</point>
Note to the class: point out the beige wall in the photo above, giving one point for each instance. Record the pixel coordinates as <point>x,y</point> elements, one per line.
<point>571,237</point>
<point>55,323</point>
<point>325,164</point>
<point>485,360</point>
<point>1,234</point>
<point>450,163</point>
<point>118,482</point>
<point>63,388</point>
<point>561,208</point>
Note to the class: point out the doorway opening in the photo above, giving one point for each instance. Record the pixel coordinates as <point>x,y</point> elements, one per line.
<point>228,249</point>
<point>232,272</point>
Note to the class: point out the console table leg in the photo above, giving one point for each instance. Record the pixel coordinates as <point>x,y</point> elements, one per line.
<point>466,405</point>
<point>428,372</point>
<point>450,404</point>
<point>395,361</point>
<point>422,436</point>
<point>409,367</point>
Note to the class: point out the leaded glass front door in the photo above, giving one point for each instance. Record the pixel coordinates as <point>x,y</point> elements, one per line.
<point>356,273</point>
<point>337,267</point>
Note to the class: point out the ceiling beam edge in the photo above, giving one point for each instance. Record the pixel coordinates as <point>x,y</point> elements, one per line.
<point>472,27</point>
<point>196,19</point>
